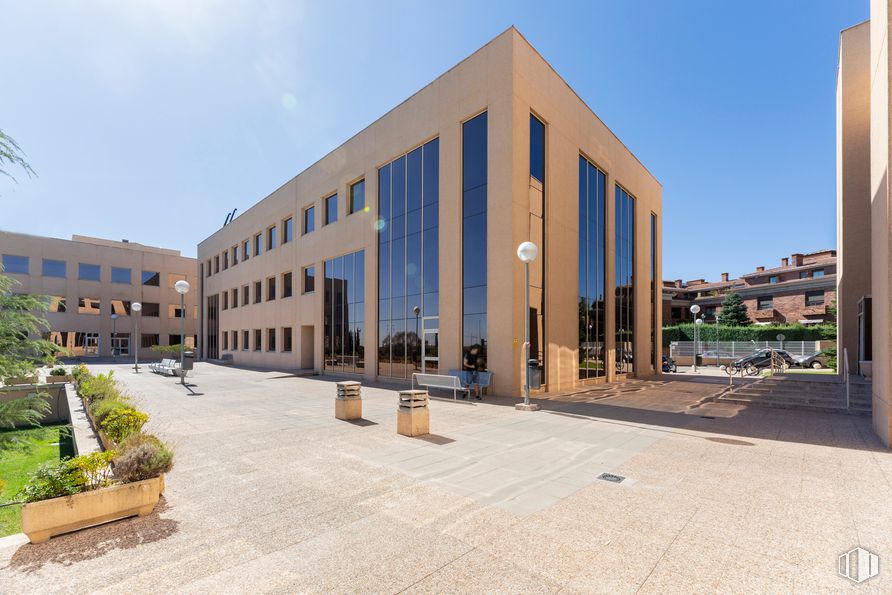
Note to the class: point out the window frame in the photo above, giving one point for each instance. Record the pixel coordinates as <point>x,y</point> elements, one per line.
<point>308,225</point>
<point>80,275</point>
<point>43,269</point>
<point>327,202</point>
<point>351,203</point>
<point>303,288</point>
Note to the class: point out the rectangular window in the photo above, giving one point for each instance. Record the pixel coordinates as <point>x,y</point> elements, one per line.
<point>151,309</point>
<point>474,241</point>
<point>86,305</point>
<point>408,266</point>
<point>814,298</point>
<point>172,279</point>
<point>624,204</point>
<point>153,278</point>
<point>258,339</point>
<point>234,299</point>
<point>246,250</point>
<point>147,341</point>
<point>803,274</point>
<point>536,226</point>
<point>58,304</point>
<point>53,268</point>
<point>656,298</point>
<point>208,269</point>
<point>258,244</point>
<point>765,302</point>
<point>817,273</point>
<point>286,338</point>
<point>342,313</point>
<point>287,230</point>
<point>258,292</point>
<point>357,197</point>
<point>225,341</point>
<point>537,149</point>
<point>309,220</point>
<point>772,279</point>
<point>270,289</point>
<point>271,238</point>
<point>286,285</point>
<point>592,267</point>
<point>213,326</point>
<point>15,264</point>
<point>120,307</point>
<point>234,251</point>
<point>225,301</point>
<point>216,264</point>
<point>270,339</point>
<point>225,260</point>
<point>246,295</point>
<point>246,340</point>
<point>88,272</point>
<point>177,339</point>
<point>309,279</point>
<point>235,340</point>
<point>120,275</point>
<point>331,209</point>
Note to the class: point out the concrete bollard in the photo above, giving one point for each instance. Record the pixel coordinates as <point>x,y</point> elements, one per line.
<point>348,404</point>
<point>413,415</point>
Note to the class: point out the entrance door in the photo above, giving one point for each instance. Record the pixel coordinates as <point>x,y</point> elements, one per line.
<point>430,362</point>
<point>121,344</point>
<point>91,344</point>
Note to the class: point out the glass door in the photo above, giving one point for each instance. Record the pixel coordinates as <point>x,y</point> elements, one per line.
<point>430,362</point>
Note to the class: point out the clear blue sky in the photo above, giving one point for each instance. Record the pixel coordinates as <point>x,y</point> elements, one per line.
<point>150,119</point>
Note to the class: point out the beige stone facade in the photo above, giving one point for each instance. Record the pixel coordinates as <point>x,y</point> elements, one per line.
<point>90,279</point>
<point>510,82</point>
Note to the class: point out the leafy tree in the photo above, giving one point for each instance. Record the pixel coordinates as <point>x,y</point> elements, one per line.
<point>12,154</point>
<point>831,309</point>
<point>733,311</point>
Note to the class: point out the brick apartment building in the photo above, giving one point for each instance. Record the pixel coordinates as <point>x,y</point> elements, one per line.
<point>798,291</point>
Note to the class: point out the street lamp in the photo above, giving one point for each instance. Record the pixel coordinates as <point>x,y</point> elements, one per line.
<point>182,287</point>
<point>114,337</point>
<point>136,307</point>
<point>527,253</point>
<point>417,311</point>
<point>716,339</point>
<point>695,309</point>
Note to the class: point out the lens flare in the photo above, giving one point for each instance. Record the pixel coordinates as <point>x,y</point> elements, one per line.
<point>379,224</point>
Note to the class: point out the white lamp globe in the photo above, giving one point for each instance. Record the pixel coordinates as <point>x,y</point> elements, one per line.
<point>181,286</point>
<point>136,306</point>
<point>527,252</point>
<point>698,322</point>
<point>695,309</point>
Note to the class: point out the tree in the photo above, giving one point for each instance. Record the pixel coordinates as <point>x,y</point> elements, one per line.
<point>12,154</point>
<point>20,321</point>
<point>733,311</point>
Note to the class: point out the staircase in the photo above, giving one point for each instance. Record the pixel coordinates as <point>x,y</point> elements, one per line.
<point>815,393</point>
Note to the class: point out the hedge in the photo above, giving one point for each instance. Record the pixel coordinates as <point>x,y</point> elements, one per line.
<point>791,332</point>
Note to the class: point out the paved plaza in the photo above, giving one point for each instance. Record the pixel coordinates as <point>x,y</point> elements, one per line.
<point>270,493</point>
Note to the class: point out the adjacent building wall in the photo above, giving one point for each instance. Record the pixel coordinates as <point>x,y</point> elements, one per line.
<point>853,185</point>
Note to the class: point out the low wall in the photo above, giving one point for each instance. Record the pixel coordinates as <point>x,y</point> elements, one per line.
<point>54,394</point>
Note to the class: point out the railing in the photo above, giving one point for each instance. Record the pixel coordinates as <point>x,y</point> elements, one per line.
<point>778,364</point>
<point>845,356</point>
<point>737,349</point>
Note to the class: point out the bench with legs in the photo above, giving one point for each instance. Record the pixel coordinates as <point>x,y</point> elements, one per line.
<point>449,382</point>
<point>484,379</point>
<point>165,366</point>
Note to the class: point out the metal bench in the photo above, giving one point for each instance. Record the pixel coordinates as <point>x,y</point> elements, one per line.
<point>157,366</point>
<point>484,379</point>
<point>167,366</point>
<point>448,381</point>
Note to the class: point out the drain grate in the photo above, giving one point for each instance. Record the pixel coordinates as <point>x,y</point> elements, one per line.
<point>706,417</point>
<point>611,477</point>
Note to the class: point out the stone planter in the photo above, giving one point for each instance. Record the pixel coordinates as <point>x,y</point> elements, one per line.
<point>106,442</point>
<point>348,404</point>
<point>47,518</point>
<point>413,416</point>
<point>59,379</point>
<point>20,380</point>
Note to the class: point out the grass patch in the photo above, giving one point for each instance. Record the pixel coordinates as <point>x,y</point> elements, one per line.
<point>17,462</point>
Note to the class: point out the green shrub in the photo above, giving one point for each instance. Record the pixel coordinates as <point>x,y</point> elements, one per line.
<point>142,456</point>
<point>792,332</point>
<point>60,371</point>
<point>831,354</point>
<point>123,422</point>
<point>91,471</point>
<point>80,373</point>
<point>101,408</point>
<point>100,386</point>
<point>50,480</point>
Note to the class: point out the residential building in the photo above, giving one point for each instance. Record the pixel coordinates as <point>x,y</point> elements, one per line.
<point>799,291</point>
<point>396,252</point>
<point>89,280</point>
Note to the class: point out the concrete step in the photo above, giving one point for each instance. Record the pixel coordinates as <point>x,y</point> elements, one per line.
<point>803,390</point>
<point>821,406</point>
<point>810,400</point>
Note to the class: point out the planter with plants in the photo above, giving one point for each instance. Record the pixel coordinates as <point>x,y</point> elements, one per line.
<point>59,375</point>
<point>126,479</point>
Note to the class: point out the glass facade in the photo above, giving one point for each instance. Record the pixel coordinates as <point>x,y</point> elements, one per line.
<point>592,261</point>
<point>408,261</point>
<point>624,213</point>
<point>474,240</point>
<point>537,236</point>
<point>343,313</point>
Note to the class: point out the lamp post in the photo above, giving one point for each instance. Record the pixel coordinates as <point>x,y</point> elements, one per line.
<point>182,287</point>
<point>716,339</point>
<point>114,338</point>
<point>695,309</point>
<point>527,253</point>
<point>136,307</point>
<point>417,311</point>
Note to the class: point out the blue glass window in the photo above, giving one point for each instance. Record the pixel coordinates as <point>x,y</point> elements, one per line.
<point>309,220</point>
<point>152,278</point>
<point>343,305</point>
<point>331,209</point>
<point>474,242</point>
<point>53,268</point>
<point>592,249</point>
<point>120,275</point>
<point>15,264</point>
<point>288,230</point>
<point>88,272</point>
<point>624,204</point>
<point>537,149</point>
<point>357,197</point>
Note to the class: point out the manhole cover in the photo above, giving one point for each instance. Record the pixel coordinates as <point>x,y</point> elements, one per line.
<point>611,477</point>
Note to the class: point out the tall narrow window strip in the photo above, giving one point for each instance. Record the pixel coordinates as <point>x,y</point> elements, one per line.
<point>655,300</point>
<point>592,250</point>
<point>343,313</point>
<point>408,260</point>
<point>474,242</point>
<point>536,234</point>
<point>625,280</point>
